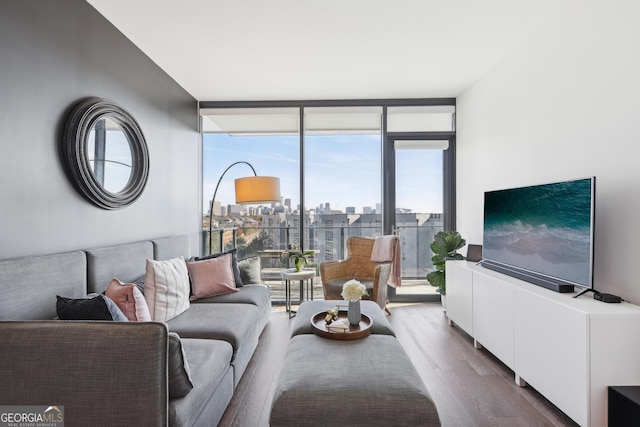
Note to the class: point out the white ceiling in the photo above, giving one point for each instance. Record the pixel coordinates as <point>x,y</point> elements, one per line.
<point>238,50</point>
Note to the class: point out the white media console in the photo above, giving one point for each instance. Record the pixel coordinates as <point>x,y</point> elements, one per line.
<point>568,349</point>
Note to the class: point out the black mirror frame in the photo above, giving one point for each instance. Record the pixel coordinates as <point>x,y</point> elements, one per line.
<point>74,152</point>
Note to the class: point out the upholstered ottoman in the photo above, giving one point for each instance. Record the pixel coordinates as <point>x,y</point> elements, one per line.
<point>364,382</point>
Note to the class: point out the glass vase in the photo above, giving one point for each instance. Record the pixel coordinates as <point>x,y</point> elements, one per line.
<point>353,313</point>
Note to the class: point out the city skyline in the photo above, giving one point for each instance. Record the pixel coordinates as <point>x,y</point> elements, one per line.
<point>343,170</point>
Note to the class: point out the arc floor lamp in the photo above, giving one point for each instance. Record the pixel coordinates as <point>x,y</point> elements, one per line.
<point>249,190</point>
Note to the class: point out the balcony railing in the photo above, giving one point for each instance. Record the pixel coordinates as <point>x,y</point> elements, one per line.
<point>328,242</point>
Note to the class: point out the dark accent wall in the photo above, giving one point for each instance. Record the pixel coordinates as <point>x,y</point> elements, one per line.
<point>53,53</point>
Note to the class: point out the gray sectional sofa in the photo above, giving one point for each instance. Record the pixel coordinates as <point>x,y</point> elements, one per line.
<point>119,373</point>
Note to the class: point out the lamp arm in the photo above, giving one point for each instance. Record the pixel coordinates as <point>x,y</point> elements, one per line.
<point>216,192</point>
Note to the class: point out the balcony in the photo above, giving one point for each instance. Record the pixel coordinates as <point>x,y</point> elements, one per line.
<point>271,246</point>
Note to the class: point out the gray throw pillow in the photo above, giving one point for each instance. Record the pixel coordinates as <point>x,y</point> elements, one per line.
<point>250,270</point>
<point>180,383</point>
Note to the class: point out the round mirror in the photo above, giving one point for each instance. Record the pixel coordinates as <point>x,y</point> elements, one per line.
<point>105,153</point>
<point>109,155</point>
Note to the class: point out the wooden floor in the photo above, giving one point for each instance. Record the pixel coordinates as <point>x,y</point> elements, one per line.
<point>470,387</point>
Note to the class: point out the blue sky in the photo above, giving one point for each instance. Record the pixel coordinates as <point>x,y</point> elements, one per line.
<point>343,170</point>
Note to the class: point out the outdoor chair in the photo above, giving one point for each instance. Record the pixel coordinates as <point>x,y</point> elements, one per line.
<point>359,266</point>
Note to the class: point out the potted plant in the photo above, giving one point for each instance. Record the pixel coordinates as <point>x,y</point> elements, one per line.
<point>301,259</point>
<point>444,246</point>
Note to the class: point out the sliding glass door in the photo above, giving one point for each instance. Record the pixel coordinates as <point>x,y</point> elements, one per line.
<point>419,198</point>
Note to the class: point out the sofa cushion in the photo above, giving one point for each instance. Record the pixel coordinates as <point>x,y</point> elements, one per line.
<point>250,270</point>
<point>130,300</point>
<point>227,322</point>
<point>171,247</point>
<point>126,262</point>
<point>234,264</point>
<point>30,284</point>
<point>166,288</point>
<point>258,295</point>
<point>211,277</point>
<point>91,307</point>
<point>210,364</point>
<point>180,382</point>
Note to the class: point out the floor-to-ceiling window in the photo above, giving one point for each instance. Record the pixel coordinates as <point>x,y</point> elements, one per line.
<point>346,168</point>
<point>342,176</point>
<point>266,139</point>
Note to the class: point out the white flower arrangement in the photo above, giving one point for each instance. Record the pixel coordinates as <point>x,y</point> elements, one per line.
<point>353,291</point>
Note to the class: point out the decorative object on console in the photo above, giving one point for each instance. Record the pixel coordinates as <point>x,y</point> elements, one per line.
<point>474,253</point>
<point>252,189</point>
<point>353,291</point>
<point>105,153</point>
<point>444,246</point>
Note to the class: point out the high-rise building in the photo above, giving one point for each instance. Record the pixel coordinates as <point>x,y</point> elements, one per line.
<point>217,208</point>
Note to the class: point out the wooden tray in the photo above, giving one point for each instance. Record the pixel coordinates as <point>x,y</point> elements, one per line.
<point>354,332</point>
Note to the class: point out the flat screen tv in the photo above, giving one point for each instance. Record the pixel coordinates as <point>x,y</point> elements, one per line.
<point>542,234</point>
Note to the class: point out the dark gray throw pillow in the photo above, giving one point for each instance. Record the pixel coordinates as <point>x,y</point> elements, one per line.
<point>179,375</point>
<point>250,270</point>
<point>91,307</point>
<point>234,264</point>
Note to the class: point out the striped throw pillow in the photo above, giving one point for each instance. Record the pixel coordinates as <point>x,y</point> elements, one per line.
<point>166,288</point>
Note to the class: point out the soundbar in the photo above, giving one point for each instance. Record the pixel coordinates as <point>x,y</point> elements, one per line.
<point>529,277</point>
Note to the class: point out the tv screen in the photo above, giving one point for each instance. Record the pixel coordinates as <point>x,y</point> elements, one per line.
<point>542,233</point>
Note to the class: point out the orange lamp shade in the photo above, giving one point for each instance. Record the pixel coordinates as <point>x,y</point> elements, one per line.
<point>257,189</point>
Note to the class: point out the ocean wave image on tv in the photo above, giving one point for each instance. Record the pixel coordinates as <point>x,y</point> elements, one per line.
<point>545,229</point>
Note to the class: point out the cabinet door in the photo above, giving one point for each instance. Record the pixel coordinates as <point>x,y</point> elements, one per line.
<point>551,351</point>
<point>459,295</point>
<point>493,316</point>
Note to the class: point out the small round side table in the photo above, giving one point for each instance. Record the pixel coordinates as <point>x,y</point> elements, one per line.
<point>307,274</point>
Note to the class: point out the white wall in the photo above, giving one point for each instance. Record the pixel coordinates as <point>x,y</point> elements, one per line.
<point>564,104</point>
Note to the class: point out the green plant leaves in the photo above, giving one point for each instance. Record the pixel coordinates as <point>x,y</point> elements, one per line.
<point>444,247</point>
<point>445,243</point>
<point>436,278</point>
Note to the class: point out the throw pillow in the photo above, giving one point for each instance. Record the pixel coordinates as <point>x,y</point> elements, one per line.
<point>211,277</point>
<point>234,264</point>
<point>179,374</point>
<point>250,270</point>
<point>129,299</point>
<point>91,307</point>
<point>166,288</point>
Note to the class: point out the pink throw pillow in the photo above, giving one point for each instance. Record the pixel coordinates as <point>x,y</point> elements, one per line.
<point>212,277</point>
<point>129,300</point>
